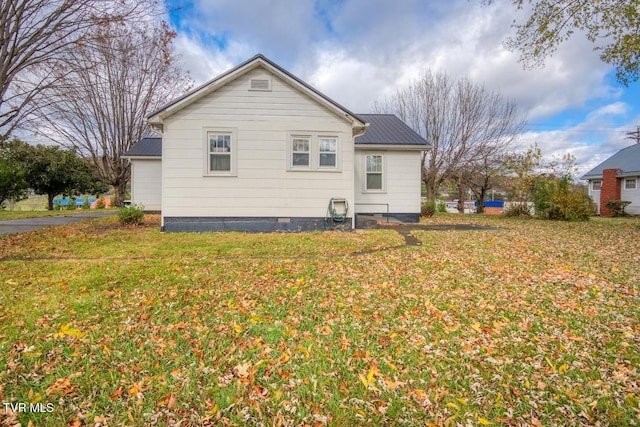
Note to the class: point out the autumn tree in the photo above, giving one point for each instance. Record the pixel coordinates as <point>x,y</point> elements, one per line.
<point>611,25</point>
<point>13,173</point>
<point>105,89</point>
<point>35,35</point>
<point>53,171</point>
<point>556,196</point>
<point>521,170</point>
<point>469,127</point>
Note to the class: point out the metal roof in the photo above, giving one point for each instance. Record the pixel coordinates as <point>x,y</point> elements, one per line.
<point>146,147</point>
<point>387,129</point>
<point>627,160</point>
<point>383,129</point>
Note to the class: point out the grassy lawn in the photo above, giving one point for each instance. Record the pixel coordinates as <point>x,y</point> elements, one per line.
<point>34,207</point>
<point>6,215</point>
<point>536,323</point>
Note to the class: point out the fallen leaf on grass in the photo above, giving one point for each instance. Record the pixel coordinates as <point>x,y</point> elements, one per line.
<point>61,386</point>
<point>242,370</point>
<point>371,376</point>
<point>67,330</point>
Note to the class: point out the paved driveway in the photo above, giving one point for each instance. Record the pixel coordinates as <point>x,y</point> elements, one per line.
<point>29,224</point>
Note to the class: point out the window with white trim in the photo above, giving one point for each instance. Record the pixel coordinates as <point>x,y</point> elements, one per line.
<point>373,167</point>
<point>630,184</point>
<point>313,151</point>
<point>328,157</point>
<point>596,185</point>
<point>300,152</point>
<point>220,152</point>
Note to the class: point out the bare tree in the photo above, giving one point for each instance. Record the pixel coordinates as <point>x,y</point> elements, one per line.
<point>105,89</point>
<point>469,127</point>
<point>33,35</point>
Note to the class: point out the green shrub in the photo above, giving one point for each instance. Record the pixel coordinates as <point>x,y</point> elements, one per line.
<point>86,205</point>
<point>554,198</point>
<point>428,209</point>
<point>71,206</point>
<point>617,207</point>
<point>441,207</point>
<point>131,215</point>
<point>517,210</point>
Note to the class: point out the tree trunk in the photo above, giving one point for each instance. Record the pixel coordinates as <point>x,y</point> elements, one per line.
<point>120,189</point>
<point>50,201</point>
<point>480,201</point>
<point>461,198</point>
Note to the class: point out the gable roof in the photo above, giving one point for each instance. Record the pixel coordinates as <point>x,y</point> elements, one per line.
<point>627,159</point>
<point>258,60</point>
<point>146,147</point>
<point>388,129</point>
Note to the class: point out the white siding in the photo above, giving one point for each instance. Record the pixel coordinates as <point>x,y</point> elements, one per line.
<point>401,182</point>
<point>262,186</point>
<point>595,196</point>
<point>146,183</point>
<point>631,195</point>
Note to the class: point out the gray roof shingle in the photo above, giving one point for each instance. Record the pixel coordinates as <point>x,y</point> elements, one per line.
<point>627,159</point>
<point>387,129</point>
<point>146,147</point>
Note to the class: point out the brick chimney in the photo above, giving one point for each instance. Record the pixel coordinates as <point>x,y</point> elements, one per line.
<point>610,189</point>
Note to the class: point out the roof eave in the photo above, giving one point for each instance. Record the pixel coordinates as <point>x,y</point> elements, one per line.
<point>133,156</point>
<point>392,147</point>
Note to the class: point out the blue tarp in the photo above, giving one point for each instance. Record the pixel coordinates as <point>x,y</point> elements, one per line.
<point>65,201</point>
<point>494,204</point>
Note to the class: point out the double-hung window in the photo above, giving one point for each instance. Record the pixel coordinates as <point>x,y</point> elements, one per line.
<point>374,178</point>
<point>596,185</point>
<point>630,184</point>
<point>328,152</point>
<point>313,152</point>
<point>300,152</point>
<point>219,152</point>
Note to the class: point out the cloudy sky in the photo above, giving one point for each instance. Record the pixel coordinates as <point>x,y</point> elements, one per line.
<point>358,51</point>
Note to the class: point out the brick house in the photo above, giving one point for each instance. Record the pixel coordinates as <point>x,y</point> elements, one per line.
<point>617,178</point>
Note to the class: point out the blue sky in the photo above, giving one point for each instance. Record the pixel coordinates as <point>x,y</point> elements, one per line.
<point>358,51</point>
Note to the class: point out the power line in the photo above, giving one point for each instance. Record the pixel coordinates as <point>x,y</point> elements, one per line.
<point>634,135</point>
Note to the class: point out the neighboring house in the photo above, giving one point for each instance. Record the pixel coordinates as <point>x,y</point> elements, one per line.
<point>257,149</point>
<point>617,178</point>
<point>146,173</point>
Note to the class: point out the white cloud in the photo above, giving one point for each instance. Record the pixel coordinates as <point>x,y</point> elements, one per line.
<point>615,109</point>
<point>358,51</point>
<point>202,63</point>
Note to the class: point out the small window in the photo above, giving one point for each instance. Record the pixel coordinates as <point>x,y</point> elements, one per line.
<point>328,152</point>
<point>596,185</point>
<point>300,151</point>
<point>630,184</point>
<point>219,152</point>
<point>374,172</point>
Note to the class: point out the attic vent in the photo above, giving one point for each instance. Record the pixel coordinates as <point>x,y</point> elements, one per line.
<point>260,84</point>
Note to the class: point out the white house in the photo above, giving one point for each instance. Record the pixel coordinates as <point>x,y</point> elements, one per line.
<point>146,173</point>
<point>258,149</point>
<point>617,178</point>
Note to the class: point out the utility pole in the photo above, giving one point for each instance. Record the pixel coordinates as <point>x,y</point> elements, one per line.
<point>634,135</point>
